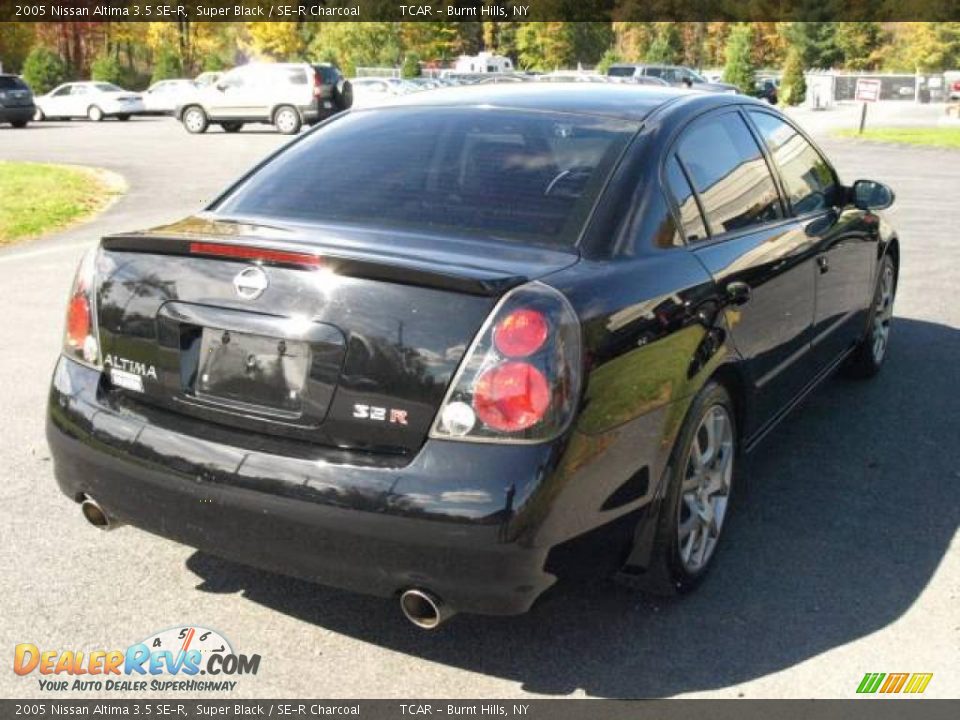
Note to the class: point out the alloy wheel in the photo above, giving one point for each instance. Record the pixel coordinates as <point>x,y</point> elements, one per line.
<point>705,492</point>
<point>883,314</point>
<point>193,120</point>
<point>286,121</point>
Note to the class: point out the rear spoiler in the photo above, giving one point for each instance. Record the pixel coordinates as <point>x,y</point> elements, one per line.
<point>388,268</point>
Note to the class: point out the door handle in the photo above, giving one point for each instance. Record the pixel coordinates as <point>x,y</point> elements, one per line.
<point>823,263</point>
<point>738,293</point>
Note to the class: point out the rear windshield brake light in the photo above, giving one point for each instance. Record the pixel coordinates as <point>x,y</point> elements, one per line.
<point>242,252</point>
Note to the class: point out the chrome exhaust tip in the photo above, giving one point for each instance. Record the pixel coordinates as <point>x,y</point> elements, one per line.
<point>96,515</point>
<point>424,609</point>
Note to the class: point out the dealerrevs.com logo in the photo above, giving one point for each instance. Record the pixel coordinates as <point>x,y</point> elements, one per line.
<point>186,658</point>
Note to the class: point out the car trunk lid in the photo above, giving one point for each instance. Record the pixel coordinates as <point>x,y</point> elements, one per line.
<point>335,336</point>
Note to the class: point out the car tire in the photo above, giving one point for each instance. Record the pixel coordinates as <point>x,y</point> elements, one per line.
<point>123,118</point>
<point>38,115</point>
<point>287,120</point>
<point>19,123</point>
<point>195,120</point>
<point>867,358</point>
<point>94,114</point>
<point>232,127</point>
<point>343,95</point>
<point>698,495</point>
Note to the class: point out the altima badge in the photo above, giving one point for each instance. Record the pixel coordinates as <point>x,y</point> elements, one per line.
<point>250,283</point>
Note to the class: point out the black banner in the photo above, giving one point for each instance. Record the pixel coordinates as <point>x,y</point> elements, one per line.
<point>477,10</point>
<point>864,709</point>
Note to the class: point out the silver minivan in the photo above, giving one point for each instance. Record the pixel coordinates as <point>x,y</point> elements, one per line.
<point>286,95</point>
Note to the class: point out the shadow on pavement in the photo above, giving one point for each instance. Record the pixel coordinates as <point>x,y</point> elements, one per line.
<point>853,503</point>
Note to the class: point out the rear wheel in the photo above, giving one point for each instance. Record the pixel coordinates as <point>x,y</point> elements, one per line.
<point>123,117</point>
<point>195,120</point>
<point>868,357</point>
<point>19,123</point>
<point>698,495</point>
<point>231,127</point>
<point>287,120</point>
<point>94,114</point>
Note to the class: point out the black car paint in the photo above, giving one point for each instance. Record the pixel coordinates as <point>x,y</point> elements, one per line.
<point>486,527</point>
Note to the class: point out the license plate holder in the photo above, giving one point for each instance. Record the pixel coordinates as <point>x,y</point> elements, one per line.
<point>252,371</point>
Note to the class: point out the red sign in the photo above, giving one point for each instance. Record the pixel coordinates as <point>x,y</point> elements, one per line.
<point>868,90</point>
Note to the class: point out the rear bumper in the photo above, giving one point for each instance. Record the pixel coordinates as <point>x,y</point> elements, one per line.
<point>17,114</point>
<point>440,522</point>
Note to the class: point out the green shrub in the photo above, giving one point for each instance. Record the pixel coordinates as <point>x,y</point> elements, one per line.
<point>793,86</point>
<point>44,70</point>
<point>106,68</point>
<point>610,57</point>
<point>411,66</point>
<point>167,65</point>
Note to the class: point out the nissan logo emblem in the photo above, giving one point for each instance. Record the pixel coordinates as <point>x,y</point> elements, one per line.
<point>250,283</point>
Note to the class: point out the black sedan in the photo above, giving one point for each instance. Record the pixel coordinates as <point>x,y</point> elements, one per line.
<point>452,350</point>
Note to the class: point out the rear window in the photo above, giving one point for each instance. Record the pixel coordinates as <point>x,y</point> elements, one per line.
<point>620,71</point>
<point>107,87</point>
<point>8,82</point>
<point>512,175</point>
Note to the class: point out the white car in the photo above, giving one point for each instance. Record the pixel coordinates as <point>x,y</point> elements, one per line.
<point>164,96</point>
<point>93,100</point>
<point>372,91</point>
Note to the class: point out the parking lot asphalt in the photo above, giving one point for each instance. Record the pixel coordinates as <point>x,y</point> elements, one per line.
<point>843,557</point>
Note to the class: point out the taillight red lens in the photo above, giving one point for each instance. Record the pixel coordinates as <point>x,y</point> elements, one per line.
<point>78,321</point>
<point>511,397</point>
<point>521,333</point>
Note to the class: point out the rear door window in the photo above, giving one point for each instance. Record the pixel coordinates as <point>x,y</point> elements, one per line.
<point>692,228</point>
<point>729,173</point>
<point>11,83</point>
<point>525,176</point>
<point>808,179</point>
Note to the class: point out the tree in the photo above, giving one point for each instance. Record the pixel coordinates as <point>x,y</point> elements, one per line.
<point>44,70</point>
<point>411,66</point>
<point>275,40</point>
<point>16,38</point>
<point>166,65</point>
<point>739,69</point>
<point>860,43</point>
<point>793,86</point>
<point>106,68</point>
<point>610,57</point>
<point>817,42</point>
<point>667,47</point>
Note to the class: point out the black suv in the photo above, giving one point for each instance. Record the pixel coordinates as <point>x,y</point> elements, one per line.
<point>16,101</point>
<point>332,90</point>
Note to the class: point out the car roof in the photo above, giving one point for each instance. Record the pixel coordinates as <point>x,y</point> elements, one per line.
<point>627,102</point>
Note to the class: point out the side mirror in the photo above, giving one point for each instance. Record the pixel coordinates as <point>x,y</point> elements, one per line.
<point>872,195</point>
<point>221,86</point>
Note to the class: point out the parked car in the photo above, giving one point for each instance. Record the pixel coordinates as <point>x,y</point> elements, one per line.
<point>675,75</point>
<point>571,76</point>
<point>286,95</point>
<point>164,96</point>
<point>373,91</point>
<point>451,350</point>
<point>766,89</point>
<point>16,101</point>
<point>93,100</point>
<point>955,90</point>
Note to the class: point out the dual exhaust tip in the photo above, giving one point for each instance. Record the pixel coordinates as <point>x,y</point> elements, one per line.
<point>421,607</point>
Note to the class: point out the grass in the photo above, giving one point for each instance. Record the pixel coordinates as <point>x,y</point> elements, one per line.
<point>37,198</point>
<point>945,137</point>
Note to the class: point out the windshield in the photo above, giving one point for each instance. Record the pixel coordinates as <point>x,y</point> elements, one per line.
<point>523,176</point>
<point>620,71</point>
<point>8,82</point>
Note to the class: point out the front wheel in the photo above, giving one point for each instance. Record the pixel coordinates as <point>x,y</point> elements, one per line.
<point>94,114</point>
<point>287,120</point>
<point>38,115</point>
<point>195,120</point>
<point>867,359</point>
<point>698,494</point>
<point>123,117</point>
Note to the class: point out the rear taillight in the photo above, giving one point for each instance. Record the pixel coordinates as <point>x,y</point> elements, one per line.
<point>520,380</point>
<point>81,341</point>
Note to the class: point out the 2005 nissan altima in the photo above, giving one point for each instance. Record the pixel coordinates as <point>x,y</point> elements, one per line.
<point>446,350</point>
